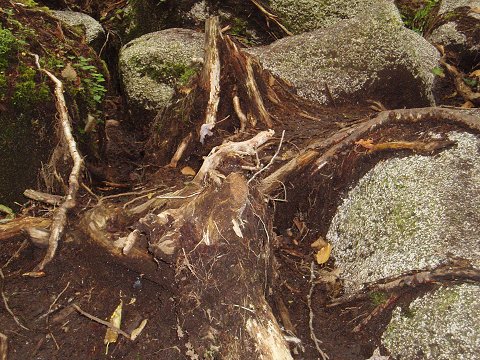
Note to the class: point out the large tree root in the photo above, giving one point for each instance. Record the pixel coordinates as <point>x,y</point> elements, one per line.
<point>214,236</point>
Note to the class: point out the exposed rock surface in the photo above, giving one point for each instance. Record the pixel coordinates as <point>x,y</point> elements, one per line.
<point>439,326</point>
<point>459,28</point>
<point>370,56</point>
<point>410,213</point>
<point>151,65</point>
<point>94,33</point>
<point>307,15</point>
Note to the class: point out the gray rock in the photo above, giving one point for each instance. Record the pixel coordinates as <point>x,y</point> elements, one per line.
<point>94,32</point>
<point>443,325</point>
<point>451,5</point>
<point>151,66</point>
<point>370,56</point>
<point>307,15</point>
<point>410,213</point>
<point>461,32</point>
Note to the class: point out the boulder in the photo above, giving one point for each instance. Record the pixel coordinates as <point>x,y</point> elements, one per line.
<point>370,56</point>
<point>307,15</point>
<point>153,64</point>
<point>93,30</point>
<point>440,326</point>
<point>410,213</point>
<point>458,29</point>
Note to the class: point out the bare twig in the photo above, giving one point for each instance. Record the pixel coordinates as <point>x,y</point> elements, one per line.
<point>16,254</point>
<point>100,321</point>
<point>270,16</point>
<point>54,301</point>
<point>271,160</point>
<point>5,303</point>
<point>60,216</point>
<point>316,341</point>
<point>377,311</point>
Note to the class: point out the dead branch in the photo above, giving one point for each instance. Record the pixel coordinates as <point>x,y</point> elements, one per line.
<point>60,215</point>
<point>18,225</point>
<point>180,150</point>
<point>376,312</point>
<point>43,197</point>
<point>270,16</point>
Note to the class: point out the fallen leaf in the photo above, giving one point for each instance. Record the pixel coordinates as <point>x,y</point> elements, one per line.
<point>138,330</point>
<point>467,105</point>
<point>188,171</point>
<point>323,254</point>
<point>475,10</point>
<point>319,243</point>
<point>475,73</point>
<point>111,335</point>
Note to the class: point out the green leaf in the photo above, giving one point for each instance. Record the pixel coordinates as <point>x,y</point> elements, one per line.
<point>470,82</point>
<point>438,71</point>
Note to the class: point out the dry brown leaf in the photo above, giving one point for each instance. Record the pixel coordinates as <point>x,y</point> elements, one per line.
<point>475,73</point>
<point>188,171</point>
<point>467,105</point>
<point>111,335</point>
<point>69,73</point>
<point>323,254</point>
<point>138,330</point>
<point>319,243</point>
<point>475,10</point>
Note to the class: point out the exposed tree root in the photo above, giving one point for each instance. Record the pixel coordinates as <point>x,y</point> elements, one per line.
<point>457,271</point>
<point>60,215</point>
<point>346,138</point>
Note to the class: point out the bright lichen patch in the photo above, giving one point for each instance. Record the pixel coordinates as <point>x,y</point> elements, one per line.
<point>441,325</point>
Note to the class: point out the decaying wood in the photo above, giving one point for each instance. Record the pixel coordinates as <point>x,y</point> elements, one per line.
<point>247,147</point>
<point>60,215</point>
<point>18,225</point>
<point>211,75</point>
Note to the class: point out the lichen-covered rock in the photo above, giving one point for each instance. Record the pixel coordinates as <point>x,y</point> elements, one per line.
<point>307,15</point>
<point>439,326</point>
<point>410,213</point>
<point>151,66</point>
<point>94,33</point>
<point>458,29</point>
<point>370,56</point>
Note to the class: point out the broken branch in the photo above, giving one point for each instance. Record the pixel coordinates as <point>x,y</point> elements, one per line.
<point>60,216</point>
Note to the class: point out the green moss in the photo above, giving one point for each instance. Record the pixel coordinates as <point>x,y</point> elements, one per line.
<point>28,93</point>
<point>8,46</point>
<point>378,297</point>
<point>168,72</point>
